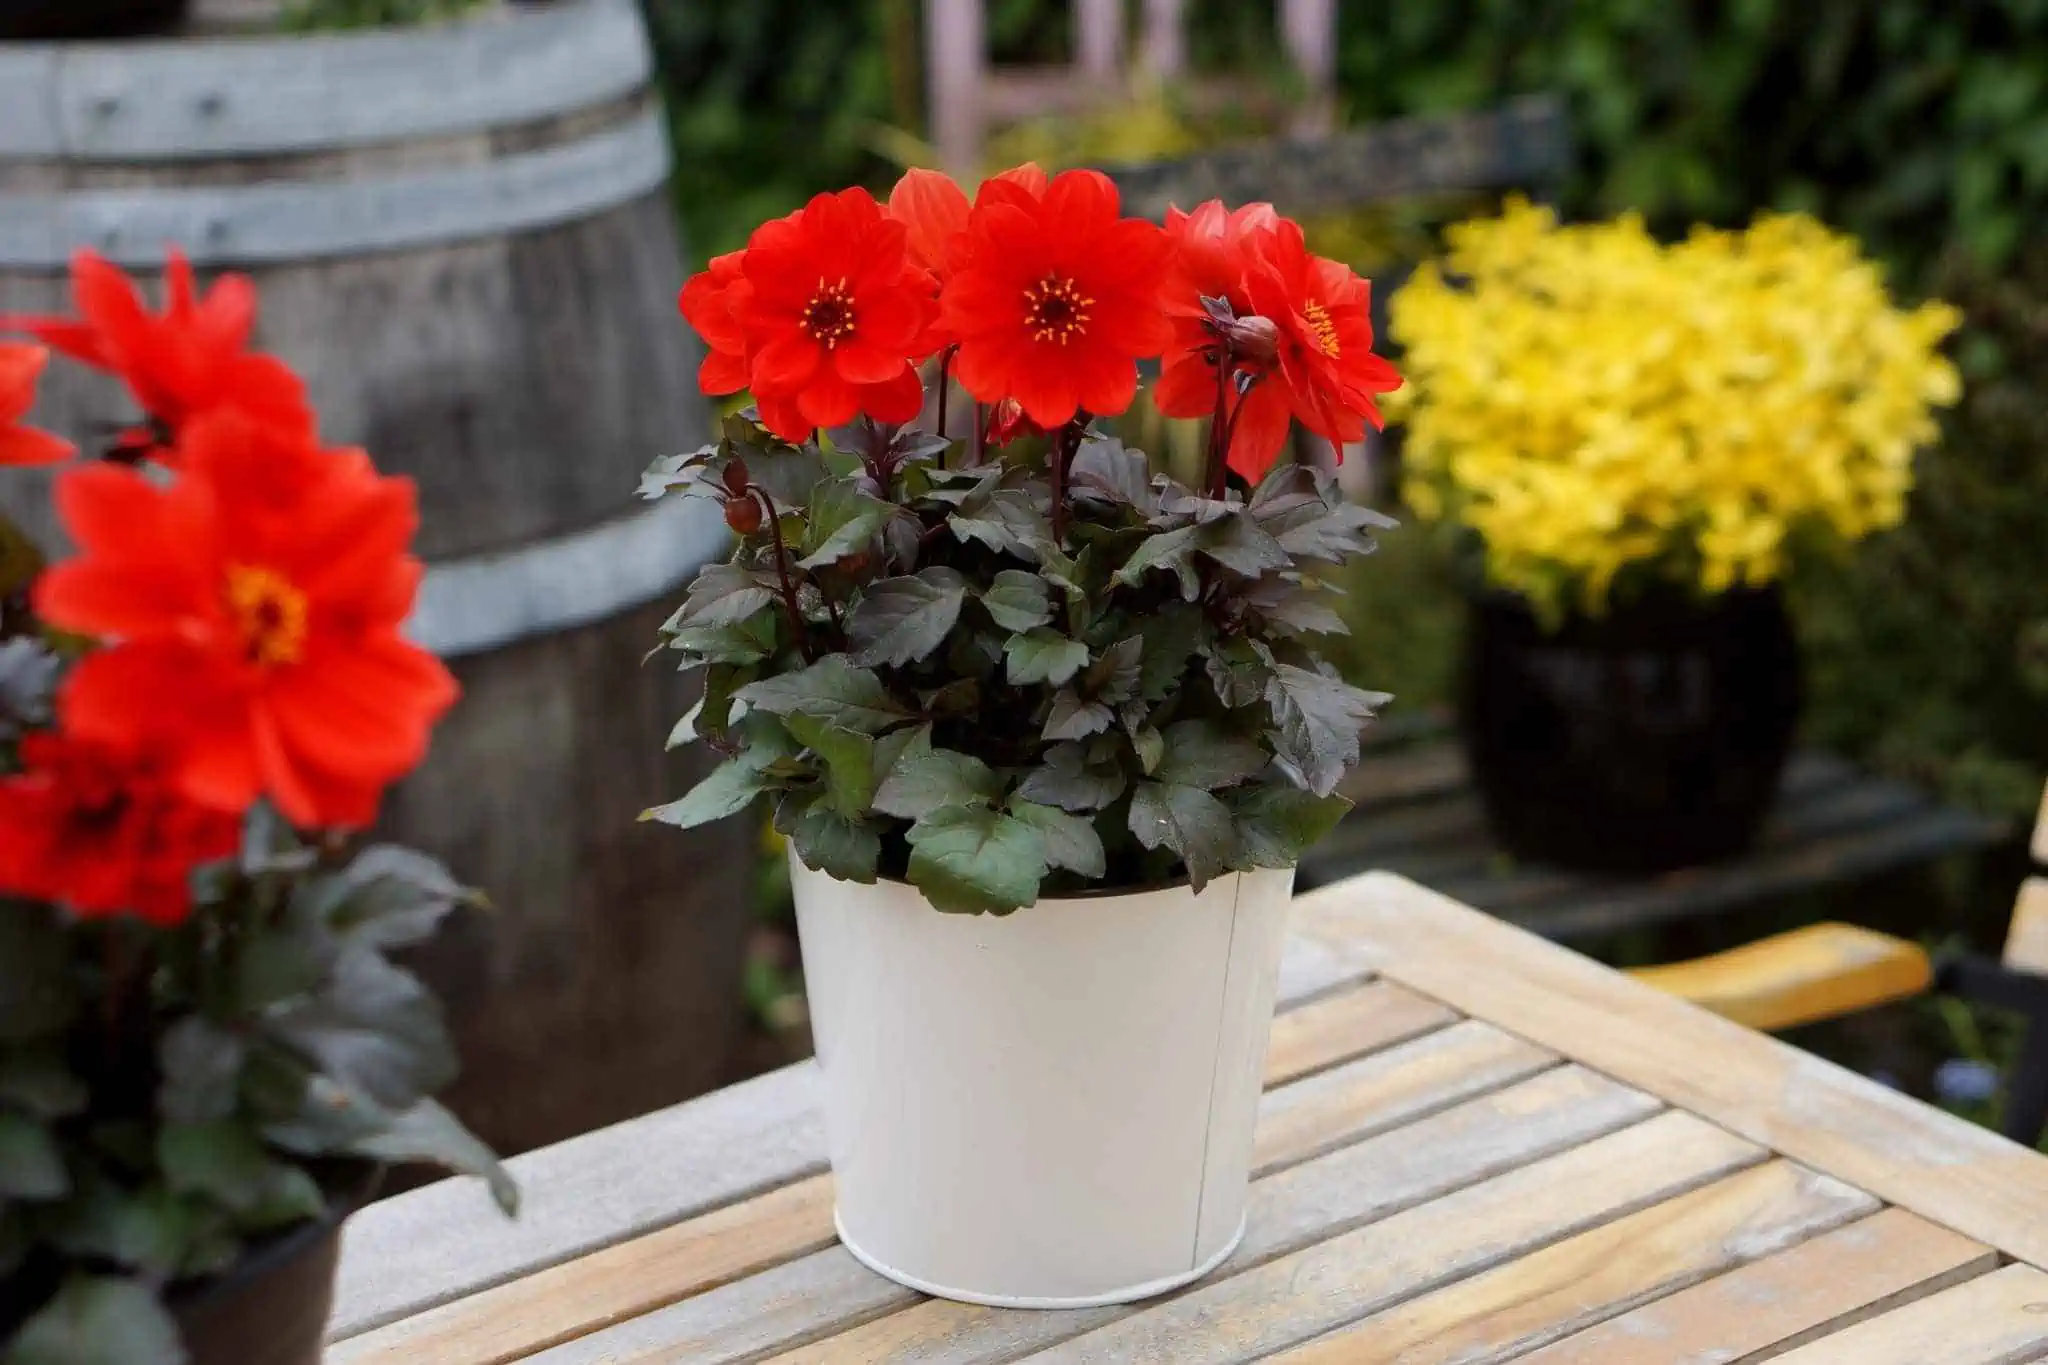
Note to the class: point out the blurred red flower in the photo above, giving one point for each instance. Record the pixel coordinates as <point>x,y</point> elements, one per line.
<point>254,608</point>
<point>20,368</point>
<point>835,315</point>
<point>188,360</point>
<point>1053,297</point>
<point>103,831</point>
<point>1319,367</point>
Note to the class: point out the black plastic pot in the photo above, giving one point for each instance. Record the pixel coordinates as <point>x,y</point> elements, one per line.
<point>22,20</point>
<point>1647,739</point>
<point>271,1307</point>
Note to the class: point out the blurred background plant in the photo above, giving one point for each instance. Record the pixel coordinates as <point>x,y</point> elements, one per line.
<point>311,16</point>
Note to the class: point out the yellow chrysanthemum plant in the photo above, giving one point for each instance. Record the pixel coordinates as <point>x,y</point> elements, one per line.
<point>1597,405</point>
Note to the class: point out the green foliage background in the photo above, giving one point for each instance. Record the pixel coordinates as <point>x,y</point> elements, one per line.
<point>1920,125</point>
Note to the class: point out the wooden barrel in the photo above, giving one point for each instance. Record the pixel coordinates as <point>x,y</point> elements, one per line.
<point>462,239</point>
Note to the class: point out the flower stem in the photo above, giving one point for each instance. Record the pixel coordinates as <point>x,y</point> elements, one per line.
<point>945,385</point>
<point>980,445</point>
<point>1218,469</point>
<point>1064,443</point>
<point>789,602</point>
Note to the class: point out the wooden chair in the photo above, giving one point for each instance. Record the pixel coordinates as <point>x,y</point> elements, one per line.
<point>1827,970</point>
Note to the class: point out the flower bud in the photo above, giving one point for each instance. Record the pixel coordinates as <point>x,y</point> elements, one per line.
<point>743,515</point>
<point>1253,340</point>
<point>735,477</point>
<point>1007,421</point>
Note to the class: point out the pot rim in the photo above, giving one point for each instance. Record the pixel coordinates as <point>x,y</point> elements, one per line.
<point>280,1248</point>
<point>1093,894</point>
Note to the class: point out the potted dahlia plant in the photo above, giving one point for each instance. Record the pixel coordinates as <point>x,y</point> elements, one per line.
<point>1047,731</point>
<point>206,1052</point>
<point>1642,439</point>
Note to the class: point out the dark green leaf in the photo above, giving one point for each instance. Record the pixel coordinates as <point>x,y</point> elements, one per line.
<point>676,471</point>
<point>841,520</point>
<point>1167,637</point>
<point>374,1027</point>
<point>287,1195</point>
<point>31,1167</point>
<point>428,1132</point>
<point>1319,720</point>
<point>1007,520</point>
<point>222,1160</point>
<point>1070,841</point>
<point>1189,821</point>
<point>1240,671</point>
<point>1299,611</point>
<point>96,1320</point>
<point>278,965</point>
<point>1104,467</point>
<point>927,779</point>
<point>201,1064</point>
<point>150,1230</point>
<point>834,691</point>
<point>1043,656</point>
<point>15,1239</point>
<point>849,759</point>
<point>1073,718</point>
<point>1068,779</point>
<point>1018,600</point>
<point>1201,753</point>
<point>1237,543</point>
<point>1277,825</point>
<point>899,620</point>
<point>839,847</point>
<point>37,994</point>
<point>685,731</point>
<point>789,473</point>
<point>1150,746</point>
<point>726,790</point>
<point>976,861</point>
<point>386,897</point>
<point>1172,550</point>
<point>960,697</point>
<point>37,1081</point>
<point>28,675</point>
<point>723,594</point>
<point>734,642</point>
<point>1119,674</point>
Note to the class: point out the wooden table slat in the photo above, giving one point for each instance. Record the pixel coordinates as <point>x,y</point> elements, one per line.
<point>1245,1316</point>
<point>2000,1319</point>
<point>1386,1089</point>
<point>1346,1024</point>
<point>1320,1199</point>
<point>1552,1293</point>
<point>1811,1290</point>
<point>1941,1167</point>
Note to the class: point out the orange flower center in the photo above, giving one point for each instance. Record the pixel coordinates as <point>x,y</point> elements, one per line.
<point>271,613</point>
<point>828,317</point>
<point>1324,329</point>
<point>1055,309</point>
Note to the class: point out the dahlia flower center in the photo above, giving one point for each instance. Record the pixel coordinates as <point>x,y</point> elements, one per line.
<point>270,612</point>
<point>1055,309</point>
<point>828,317</point>
<point>1324,330</point>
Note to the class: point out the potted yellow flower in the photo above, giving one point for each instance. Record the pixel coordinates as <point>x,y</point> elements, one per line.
<point>1643,437</point>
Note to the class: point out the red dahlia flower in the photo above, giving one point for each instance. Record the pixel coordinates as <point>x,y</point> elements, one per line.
<point>1316,322</point>
<point>1324,311</point>
<point>20,367</point>
<point>707,305</point>
<point>934,209</point>
<point>834,316</point>
<point>254,607</point>
<point>103,831</point>
<point>1054,298</point>
<point>191,359</point>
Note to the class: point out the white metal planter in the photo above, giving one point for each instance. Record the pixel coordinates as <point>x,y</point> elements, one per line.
<point>1048,1110</point>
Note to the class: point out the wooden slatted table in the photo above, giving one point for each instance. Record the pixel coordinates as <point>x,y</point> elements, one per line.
<point>1474,1146</point>
<point>1417,814</point>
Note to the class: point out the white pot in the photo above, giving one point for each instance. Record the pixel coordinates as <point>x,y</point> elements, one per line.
<point>1052,1109</point>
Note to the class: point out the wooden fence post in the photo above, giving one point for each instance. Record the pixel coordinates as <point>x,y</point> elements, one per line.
<point>956,46</point>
